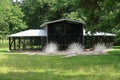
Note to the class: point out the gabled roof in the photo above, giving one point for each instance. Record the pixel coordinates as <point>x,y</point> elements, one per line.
<point>55,21</point>
<point>97,34</point>
<point>30,33</point>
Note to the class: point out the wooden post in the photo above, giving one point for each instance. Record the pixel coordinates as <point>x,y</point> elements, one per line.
<point>9,43</point>
<point>19,40</point>
<point>30,43</point>
<point>14,39</point>
<point>47,34</point>
<point>82,36</point>
<point>25,43</point>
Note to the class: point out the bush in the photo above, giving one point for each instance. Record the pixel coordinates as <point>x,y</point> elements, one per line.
<point>75,48</point>
<point>116,47</point>
<point>51,48</point>
<point>100,48</point>
<point>4,44</point>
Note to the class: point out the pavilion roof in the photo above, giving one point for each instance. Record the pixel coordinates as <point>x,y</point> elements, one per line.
<point>30,33</point>
<point>97,33</point>
<point>41,32</point>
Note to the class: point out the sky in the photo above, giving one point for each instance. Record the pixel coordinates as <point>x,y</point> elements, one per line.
<point>18,0</point>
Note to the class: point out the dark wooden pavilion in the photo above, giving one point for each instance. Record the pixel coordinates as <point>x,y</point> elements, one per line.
<point>33,39</point>
<point>63,32</point>
<point>90,40</point>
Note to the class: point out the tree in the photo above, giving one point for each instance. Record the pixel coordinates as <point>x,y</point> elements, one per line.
<point>39,11</point>
<point>16,20</point>
<point>35,12</point>
<point>98,15</point>
<point>10,18</point>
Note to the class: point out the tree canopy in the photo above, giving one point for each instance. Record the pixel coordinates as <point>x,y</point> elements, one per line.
<point>97,15</point>
<point>10,18</point>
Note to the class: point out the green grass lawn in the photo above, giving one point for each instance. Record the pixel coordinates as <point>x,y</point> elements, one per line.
<point>36,67</point>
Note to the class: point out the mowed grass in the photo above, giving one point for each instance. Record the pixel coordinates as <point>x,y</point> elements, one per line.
<point>37,67</point>
<point>4,46</point>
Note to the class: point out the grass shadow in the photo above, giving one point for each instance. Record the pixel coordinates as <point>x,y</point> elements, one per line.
<point>4,51</point>
<point>51,76</point>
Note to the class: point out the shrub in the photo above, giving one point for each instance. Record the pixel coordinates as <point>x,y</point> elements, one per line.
<point>4,44</point>
<point>75,48</point>
<point>51,48</point>
<point>99,48</point>
<point>116,47</point>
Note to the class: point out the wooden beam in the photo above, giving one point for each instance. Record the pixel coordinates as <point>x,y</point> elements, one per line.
<point>11,42</point>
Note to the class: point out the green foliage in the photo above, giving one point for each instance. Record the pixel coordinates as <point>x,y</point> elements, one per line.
<point>114,52</point>
<point>15,22</point>
<point>39,11</point>
<point>116,30</point>
<point>10,18</point>
<point>35,12</point>
<point>98,15</point>
<point>3,44</point>
<point>116,47</point>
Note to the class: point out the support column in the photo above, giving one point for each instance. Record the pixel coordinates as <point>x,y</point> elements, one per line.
<point>24,44</point>
<point>9,43</point>
<point>14,39</point>
<point>31,43</point>
<point>19,42</point>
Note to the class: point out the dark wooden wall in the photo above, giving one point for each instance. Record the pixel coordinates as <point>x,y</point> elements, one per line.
<point>65,33</point>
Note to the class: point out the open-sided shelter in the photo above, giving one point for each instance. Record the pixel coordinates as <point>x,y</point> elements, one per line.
<point>63,32</point>
<point>29,39</point>
<point>90,40</point>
